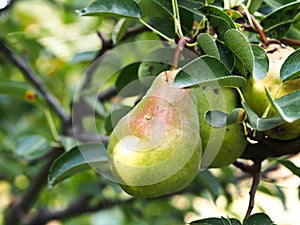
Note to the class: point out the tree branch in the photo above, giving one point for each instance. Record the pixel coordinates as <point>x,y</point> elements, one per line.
<point>271,148</point>
<point>77,207</point>
<point>30,75</point>
<point>17,209</point>
<point>255,182</point>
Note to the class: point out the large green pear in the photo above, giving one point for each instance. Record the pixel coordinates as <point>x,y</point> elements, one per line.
<point>156,148</point>
<point>256,97</point>
<point>221,146</point>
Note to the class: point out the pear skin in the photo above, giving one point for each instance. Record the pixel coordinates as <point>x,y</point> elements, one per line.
<point>256,97</point>
<point>156,148</point>
<point>221,146</point>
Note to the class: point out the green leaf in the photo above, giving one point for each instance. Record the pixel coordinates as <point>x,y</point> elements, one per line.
<point>164,25</point>
<point>83,57</point>
<point>31,147</point>
<point>152,9</point>
<point>210,182</point>
<point>208,45</point>
<point>123,8</point>
<point>291,67</point>
<point>127,75</point>
<point>219,24</point>
<point>218,119</point>
<point>226,56</point>
<point>279,21</point>
<point>116,114</point>
<point>290,165</point>
<point>206,69</point>
<point>239,45</point>
<point>217,12</point>
<point>259,219</point>
<point>217,221</point>
<point>191,6</point>
<point>261,124</point>
<point>21,90</point>
<point>67,142</point>
<point>261,63</point>
<point>78,159</point>
<point>150,68</point>
<point>287,106</point>
<point>254,5</point>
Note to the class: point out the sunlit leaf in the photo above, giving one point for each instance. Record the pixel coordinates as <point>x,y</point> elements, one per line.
<point>218,119</point>
<point>261,124</point>
<point>206,69</point>
<point>291,67</point>
<point>279,21</point>
<point>217,12</point>
<point>77,160</point>
<point>287,106</point>
<point>208,45</point>
<point>31,147</point>
<point>239,45</point>
<point>261,63</point>
<point>123,8</point>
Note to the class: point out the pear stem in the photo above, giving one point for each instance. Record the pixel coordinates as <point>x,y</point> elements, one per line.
<point>181,43</point>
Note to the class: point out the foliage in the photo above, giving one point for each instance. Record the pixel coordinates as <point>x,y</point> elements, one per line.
<point>57,112</point>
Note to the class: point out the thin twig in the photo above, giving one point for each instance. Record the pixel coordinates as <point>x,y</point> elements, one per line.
<point>32,77</point>
<point>255,182</point>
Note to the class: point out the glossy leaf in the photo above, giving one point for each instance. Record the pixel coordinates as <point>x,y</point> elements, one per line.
<point>239,45</point>
<point>67,142</point>
<point>152,9</point>
<point>291,67</point>
<point>123,8</point>
<point>208,45</point>
<point>217,221</point>
<point>287,106</point>
<point>259,219</point>
<point>261,63</point>
<point>191,5</point>
<point>77,160</point>
<point>206,69</point>
<point>31,147</point>
<point>226,56</point>
<point>217,12</point>
<point>218,119</point>
<point>127,75</point>
<point>219,24</point>
<point>261,124</point>
<point>290,165</point>
<point>279,21</point>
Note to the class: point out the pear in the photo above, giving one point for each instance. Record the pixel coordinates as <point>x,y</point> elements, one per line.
<point>221,146</point>
<point>256,97</point>
<point>156,148</point>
